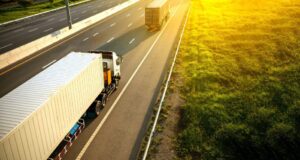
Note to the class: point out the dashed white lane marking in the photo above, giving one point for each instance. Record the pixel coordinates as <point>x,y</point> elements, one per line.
<point>62,19</point>
<point>113,24</point>
<point>51,19</point>
<point>49,29</point>
<point>49,64</point>
<point>132,40</point>
<point>130,24</point>
<point>127,15</point>
<point>85,39</point>
<point>19,30</point>
<point>6,46</point>
<point>32,30</point>
<point>112,38</point>
<point>75,19</point>
<point>94,35</point>
<point>83,12</point>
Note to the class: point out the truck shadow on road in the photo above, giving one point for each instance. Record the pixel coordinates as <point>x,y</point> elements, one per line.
<point>128,41</point>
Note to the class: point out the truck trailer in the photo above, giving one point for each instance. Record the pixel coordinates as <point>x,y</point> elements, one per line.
<point>156,13</point>
<point>43,116</point>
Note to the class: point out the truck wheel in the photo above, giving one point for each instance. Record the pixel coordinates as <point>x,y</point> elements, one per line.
<point>98,107</point>
<point>113,86</point>
<point>117,83</point>
<point>103,100</point>
<point>84,115</point>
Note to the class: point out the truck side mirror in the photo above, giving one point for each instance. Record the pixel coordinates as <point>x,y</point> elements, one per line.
<point>119,60</point>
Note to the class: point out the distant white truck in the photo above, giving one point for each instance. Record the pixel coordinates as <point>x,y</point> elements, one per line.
<point>156,13</point>
<point>42,117</point>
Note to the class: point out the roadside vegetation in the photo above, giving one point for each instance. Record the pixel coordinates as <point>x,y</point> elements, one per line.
<point>240,67</point>
<point>21,8</point>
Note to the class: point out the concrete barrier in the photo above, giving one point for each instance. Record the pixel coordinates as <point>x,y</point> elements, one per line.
<point>28,49</point>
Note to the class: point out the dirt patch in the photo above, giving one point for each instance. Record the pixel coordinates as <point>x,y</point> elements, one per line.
<point>166,148</point>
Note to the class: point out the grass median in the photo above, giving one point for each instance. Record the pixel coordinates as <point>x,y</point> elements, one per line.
<point>8,14</point>
<point>239,62</point>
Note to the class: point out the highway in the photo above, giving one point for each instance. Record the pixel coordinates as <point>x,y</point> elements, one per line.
<point>90,39</point>
<point>20,33</point>
<point>121,134</point>
<point>117,133</point>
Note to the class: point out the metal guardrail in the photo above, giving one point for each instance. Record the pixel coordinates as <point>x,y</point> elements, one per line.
<point>165,90</point>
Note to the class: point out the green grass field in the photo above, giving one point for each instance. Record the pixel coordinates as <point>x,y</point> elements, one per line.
<point>20,12</point>
<point>240,66</point>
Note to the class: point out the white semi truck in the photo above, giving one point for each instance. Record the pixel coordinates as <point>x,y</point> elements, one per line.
<point>42,117</point>
<point>156,13</point>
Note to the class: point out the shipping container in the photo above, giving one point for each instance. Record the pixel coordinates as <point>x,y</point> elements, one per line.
<point>156,13</point>
<point>36,116</point>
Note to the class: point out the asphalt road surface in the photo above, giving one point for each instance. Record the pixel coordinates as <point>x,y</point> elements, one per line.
<point>91,38</point>
<point>18,34</point>
<point>124,120</point>
<point>121,134</point>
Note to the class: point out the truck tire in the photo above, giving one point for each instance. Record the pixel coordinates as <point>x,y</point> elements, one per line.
<point>84,115</point>
<point>98,108</point>
<point>103,100</point>
<point>113,86</point>
<point>117,83</point>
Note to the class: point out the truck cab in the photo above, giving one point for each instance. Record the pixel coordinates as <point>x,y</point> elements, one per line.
<point>111,61</point>
<point>111,69</point>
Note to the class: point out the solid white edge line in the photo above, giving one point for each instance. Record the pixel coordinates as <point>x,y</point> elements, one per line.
<point>165,90</point>
<point>92,137</point>
<point>49,64</point>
